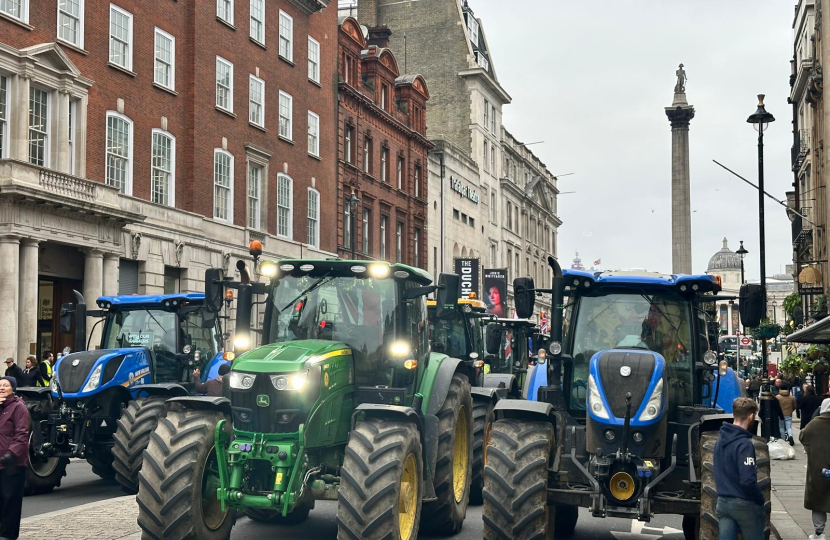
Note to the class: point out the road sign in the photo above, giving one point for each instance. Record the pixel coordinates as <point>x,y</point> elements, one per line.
<point>746,342</point>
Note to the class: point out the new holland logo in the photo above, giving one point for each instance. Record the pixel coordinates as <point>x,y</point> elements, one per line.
<point>262,400</point>
<point>625,371</point>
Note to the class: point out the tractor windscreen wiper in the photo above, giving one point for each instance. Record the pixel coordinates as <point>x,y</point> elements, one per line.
<point>306,291</point>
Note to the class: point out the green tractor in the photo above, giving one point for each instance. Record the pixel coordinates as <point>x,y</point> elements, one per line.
<point>344,401</point>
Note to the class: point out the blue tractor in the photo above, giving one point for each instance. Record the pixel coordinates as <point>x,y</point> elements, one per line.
<point>104,403</point>
<point>622,416</point>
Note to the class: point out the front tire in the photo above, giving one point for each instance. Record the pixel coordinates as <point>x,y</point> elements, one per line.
<point>381,485</point>
<point>709,529</point>
<point>516,481</point>
<point>178,480</point>
<point>132,436</point>
<point>43,475</point>
<point>454,468</point>
<point>483,416</point>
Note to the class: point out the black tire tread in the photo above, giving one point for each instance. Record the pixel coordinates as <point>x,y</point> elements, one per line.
<point>482,416</point>
<point>131,438</point>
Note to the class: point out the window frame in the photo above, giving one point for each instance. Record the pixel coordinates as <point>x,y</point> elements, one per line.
<point>399,172</point>
<point>384,163</point>
<point>47,133</point>
<point>260,38</point>
<point>416,175</point>
<point>367,155</point>
<point>384,231</point>
<point>253,79</point>
<point>486,115</point>
<point>416,238</point>
<point>130,34</point>
<point>80,18</point>
<point>486,160</point>
<point>315,151</point>
<point>289,234</point>
<point>24,12</point>
<point>257,216</point>
<point>172,67</point>
<point>493,119</point>
<point>348,142</point>
<point>227,12</point>
<point>399,233</point>
<point>128,178</point>
<point>229,64</point>
<point>290,136</point>
<point>365,238</point>
<point>72,120</point>
<point>5,103</point>
<point>316,63</point>
<point>290,39</point>
<point>231,173</point>
<point>316,218</point>
<point>171,187</point>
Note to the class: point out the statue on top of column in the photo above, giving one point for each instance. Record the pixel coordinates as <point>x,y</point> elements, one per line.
<point>680,87</point>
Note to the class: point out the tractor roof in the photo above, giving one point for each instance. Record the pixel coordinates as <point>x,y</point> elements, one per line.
<point>345,266</point>
<point>150,299</point>
<point>638,279</point>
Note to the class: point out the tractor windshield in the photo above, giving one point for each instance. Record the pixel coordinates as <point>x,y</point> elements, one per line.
<point>635,320</point>
<point>458,337</point>
<point>154,329</point>
<point>359,312</point>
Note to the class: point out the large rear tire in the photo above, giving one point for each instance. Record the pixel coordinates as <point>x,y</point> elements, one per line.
<point>454,467</point>
<point>381,485</point>
<point>482,418</point>
<point>708,490</point>
<point>178,480</point>
<point>516,481</point>
<point>132,435</point>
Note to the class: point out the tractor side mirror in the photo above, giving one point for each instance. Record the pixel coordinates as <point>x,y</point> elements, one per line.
<point>446,297</point>
<point>525,296</point>
<point>209,318</point>
<point>493,338</point>
<point>242,330</point>
<point>751,305</point>
<point>214,289</point>
<point>67,314</point>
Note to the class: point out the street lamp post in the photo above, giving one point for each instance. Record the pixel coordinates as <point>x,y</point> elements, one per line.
<point>761,119</point>
<point>352,201</point>
<point>742,252</point>
<point>774,303</point>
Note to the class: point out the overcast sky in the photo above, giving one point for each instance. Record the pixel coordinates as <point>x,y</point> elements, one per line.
<point>592,78</point>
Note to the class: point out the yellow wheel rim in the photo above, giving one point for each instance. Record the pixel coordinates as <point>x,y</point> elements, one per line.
<point>460,456</point>
<point>622,486</point>
<point>408,498</point>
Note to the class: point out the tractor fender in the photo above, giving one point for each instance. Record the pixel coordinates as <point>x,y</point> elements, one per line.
<point>441,386</point>
<point>480,392</point>
<point>200,403</point>
<point>507,381</point>
<point>406,414</point>
<point>160,389</point>
<point>713,422</point>
<point>34,393</point>
<point>521,408</point>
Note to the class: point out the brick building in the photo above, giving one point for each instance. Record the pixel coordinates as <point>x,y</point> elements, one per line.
<point>142,142</point>
<point>382,151</point>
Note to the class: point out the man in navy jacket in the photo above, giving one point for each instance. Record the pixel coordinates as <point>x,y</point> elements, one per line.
<point>740,501</point>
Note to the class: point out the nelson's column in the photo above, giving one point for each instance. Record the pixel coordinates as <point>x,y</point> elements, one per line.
<point>680,115</point>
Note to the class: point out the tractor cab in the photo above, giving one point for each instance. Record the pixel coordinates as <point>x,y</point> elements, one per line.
<point>462,334</point>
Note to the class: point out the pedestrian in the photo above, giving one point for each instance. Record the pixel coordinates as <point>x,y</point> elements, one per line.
<point>13,370</point>
<point>740,505</point>
<point>755,387</point>
<point>14,457</point>
<point>816,440</point>
<point>212,387</point>
<point>31,374</point>
<point>46,365</point>
<point>808,404</point>
<point>788,405</point>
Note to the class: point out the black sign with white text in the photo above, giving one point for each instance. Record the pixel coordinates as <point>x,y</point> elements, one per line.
<point>468,270</point>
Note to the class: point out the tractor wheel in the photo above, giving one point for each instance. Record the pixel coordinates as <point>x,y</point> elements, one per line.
<point>381,482</point>
<point>43,474</point>
<point>482,418</point>
<point>516,481</point>
<point>101,462</point>
<point>690,526</point>
<point>178,480</point>
<point>454,468</point>
<point>566,517</point>
<point>299,515</point>
<point>708,490</point>
<point>138,419</point>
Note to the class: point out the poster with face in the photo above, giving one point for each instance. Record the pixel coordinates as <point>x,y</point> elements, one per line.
<point>495,291</point>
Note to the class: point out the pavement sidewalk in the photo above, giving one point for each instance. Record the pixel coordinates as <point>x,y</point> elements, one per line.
<point>110,519</point>
<point>790,520</point>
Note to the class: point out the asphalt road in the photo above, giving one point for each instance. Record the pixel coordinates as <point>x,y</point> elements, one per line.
<point>81,486</point>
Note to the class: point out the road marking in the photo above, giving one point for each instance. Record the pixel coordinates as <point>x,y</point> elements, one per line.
<point>641,528</point>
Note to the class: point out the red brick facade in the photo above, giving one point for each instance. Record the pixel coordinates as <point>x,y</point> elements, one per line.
<point>190,110</point>
<point>382,131</point>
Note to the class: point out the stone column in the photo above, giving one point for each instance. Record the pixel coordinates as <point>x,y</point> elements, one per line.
<point>680,115</point>
<point>27,312</point>
<point>10,287</point>
<point>61,138</point>
<point>20,133</point>
<point>110,287</point>
<point>92,289</point>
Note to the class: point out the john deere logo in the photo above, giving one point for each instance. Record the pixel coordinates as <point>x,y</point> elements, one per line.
<point>262,400</point>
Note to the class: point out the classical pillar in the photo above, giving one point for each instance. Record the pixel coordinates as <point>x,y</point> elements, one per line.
<point>110,287</point>
<point>27,311</point>
<point>9,284</point>
<point>61,152</point>
<point>93,287</point>
<point>20,133</point>
<point>680,115</point>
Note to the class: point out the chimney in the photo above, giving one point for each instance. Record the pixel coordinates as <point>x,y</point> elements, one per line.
<point>379,35</point>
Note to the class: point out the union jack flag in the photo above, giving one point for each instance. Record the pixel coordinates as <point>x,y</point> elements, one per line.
<point>597,262</point>
<point>543,323</point>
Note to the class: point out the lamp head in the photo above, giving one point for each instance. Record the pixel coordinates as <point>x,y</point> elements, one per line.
<point>761,118</point>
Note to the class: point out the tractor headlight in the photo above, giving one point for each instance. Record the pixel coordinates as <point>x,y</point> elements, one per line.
<point>241,342</point>
<point>595,400</point>
<point>242,381</point>
<point>94,379</point>
<point>655,403</point>
<point>292,381</point>
<point>710,358</point>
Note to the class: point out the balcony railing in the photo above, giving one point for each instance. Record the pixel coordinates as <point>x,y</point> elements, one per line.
<point>68,186</point>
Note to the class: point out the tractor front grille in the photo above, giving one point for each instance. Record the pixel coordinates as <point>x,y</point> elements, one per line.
<point>616,385</point>
<point>71,377</point>
<point>284,412</point>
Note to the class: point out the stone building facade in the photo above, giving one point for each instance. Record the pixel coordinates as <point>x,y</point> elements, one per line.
<point>382,151</point>
<point>140,146</point>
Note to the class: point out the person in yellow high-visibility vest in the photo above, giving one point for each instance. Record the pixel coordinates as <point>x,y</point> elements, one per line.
<point>46,365</point>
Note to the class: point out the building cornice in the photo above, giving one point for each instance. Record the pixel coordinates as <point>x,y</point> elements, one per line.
<point>491,83</point>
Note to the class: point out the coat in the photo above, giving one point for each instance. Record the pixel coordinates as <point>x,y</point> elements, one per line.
<point>16,372</point>
<point>807,406</point>
<point>786,401</point>
<point>816,440</point>
<point>14,430</point>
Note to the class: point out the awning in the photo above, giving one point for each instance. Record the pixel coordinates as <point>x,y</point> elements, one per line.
<point>815,333</point>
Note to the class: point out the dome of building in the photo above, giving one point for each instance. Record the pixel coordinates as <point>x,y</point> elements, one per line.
<point>725,259</point>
